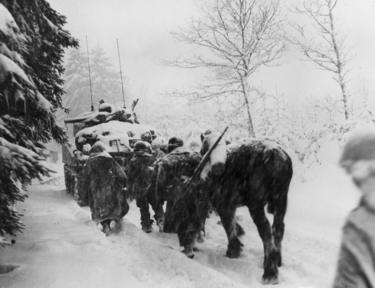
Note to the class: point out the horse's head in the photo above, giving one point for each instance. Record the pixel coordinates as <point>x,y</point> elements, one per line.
<point>216,162</point>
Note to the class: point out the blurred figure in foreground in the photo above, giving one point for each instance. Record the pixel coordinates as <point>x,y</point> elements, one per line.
<point>356,264</point>
<point>102,188</point>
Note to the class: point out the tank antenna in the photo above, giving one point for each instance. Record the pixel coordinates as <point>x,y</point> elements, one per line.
<point>88,65</point>
<point>122,82</point>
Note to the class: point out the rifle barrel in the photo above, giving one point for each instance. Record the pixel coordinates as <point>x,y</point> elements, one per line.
<point>205,158</point>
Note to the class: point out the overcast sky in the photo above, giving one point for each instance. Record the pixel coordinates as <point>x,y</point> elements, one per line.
<point>143,29</point>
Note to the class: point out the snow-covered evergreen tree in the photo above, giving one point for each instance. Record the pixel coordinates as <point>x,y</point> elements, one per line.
<point>105,81</point>
<point>31,50</point>
<point>106,78</point>
<point>77,98</point>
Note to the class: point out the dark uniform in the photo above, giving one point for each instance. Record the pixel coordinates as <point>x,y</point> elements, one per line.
<point>356,264</point>
<point>167,183</point>
<point>140,172</point>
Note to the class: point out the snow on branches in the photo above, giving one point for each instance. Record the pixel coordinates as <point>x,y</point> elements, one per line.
<point>30,90</point>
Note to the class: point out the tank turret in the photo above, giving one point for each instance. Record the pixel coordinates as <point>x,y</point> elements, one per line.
<point>118,129</point>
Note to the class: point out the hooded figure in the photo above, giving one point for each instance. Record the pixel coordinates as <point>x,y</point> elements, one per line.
<point>356,264</point>
<point>102,188</point>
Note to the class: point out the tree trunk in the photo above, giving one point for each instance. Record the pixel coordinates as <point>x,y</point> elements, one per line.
<point>344,97</point>
<point>244,87</point>
<point>339,64</point>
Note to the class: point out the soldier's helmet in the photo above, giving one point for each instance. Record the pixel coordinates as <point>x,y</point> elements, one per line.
<point>98,147</point>
<point>105,107</point>
<point>358,156</point>
<point>360,146</point>
<point>174,142</point>
<point>146,137</point>
<point>142,148</point>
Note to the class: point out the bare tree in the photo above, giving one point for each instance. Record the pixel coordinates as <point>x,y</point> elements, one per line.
<point>325,48</point>
<point>238,37</point>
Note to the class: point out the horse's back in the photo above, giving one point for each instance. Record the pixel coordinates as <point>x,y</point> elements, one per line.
<point>259,170</point>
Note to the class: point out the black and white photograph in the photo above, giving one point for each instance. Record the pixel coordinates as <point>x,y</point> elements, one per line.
<point>187,143</point>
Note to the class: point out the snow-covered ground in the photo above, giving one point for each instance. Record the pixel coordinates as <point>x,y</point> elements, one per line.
<point>61,247</point>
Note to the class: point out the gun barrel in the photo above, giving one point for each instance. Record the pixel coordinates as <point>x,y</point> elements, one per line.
<point>81,118</point>
<point>205,158</point>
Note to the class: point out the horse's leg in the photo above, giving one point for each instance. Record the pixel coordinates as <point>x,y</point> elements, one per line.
<point>203,215</point>
<point>187,240</point>
<point>187,232</point>
<point>270,254</point>
<point>228,220</point>
<point>278,225</point>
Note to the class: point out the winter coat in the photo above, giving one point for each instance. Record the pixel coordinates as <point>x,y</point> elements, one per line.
<point>101,188</point>
<point>139,175</point>
<point>167,185</point>
<point>356,266</point>
<point>170,169</point>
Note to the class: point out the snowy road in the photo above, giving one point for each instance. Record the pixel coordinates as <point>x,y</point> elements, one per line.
<point>61,247</point>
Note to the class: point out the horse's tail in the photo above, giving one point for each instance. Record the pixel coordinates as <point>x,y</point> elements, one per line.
<point>277,202</point>
<point>282,172</point>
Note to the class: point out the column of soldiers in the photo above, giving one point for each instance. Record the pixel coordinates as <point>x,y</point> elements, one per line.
<point>103,190</point>
<point>105,187</point>
<point>140,173</point>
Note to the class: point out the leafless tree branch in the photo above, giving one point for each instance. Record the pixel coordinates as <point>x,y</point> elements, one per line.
<point>240,36</point>
<point>327,51</point>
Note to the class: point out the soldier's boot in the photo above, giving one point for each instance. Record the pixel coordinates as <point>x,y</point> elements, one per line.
<point>160,223</point>
<point>105,227</point>
<point>107,230</point>
<point>147,226</point>
<point>115,226</point>
<point>189,251</point>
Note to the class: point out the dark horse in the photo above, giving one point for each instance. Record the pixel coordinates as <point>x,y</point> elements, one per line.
<point>254,174</point>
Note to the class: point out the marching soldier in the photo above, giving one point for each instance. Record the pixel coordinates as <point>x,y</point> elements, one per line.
<point>356,261</point>
<point>139,175</point>
<point>101,188</point>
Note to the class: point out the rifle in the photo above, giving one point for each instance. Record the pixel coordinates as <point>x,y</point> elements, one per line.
<point>135,102</point>
<point>205,158</point>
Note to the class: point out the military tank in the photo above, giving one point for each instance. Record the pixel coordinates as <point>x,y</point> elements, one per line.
<point>118,130</point>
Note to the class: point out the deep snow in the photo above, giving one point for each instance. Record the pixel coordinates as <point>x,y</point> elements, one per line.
<point>61,247</point>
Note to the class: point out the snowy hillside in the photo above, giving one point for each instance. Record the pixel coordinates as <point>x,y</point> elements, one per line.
<point>61,246</point>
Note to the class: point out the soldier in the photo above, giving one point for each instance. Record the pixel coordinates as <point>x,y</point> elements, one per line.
<point>357,254</point>
<point>158,148</point>
<point>101,187</point>
<point>146,137</point>
<point>174,142</point>
<point>105,107</point>
<point>140,172</point>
